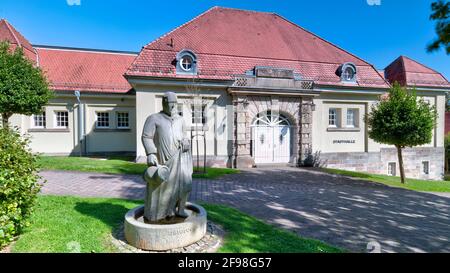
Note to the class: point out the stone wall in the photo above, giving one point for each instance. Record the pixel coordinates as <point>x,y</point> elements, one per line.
<point>377,162</point>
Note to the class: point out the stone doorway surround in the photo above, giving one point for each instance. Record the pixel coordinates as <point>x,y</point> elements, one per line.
<point>279,91</point>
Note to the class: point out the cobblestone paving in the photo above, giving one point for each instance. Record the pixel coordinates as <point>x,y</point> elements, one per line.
<point>341,211</point>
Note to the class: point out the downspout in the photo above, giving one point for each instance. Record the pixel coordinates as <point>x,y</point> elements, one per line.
<point>81,122</point>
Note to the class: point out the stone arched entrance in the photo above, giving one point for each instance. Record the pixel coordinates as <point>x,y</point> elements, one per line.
<point>271,138</point>
<point>295,109</point>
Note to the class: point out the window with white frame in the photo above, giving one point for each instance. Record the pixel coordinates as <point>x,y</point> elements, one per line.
<point>333,117</point>
<point>198,114</point>
<point>352,116</point>
<point>38,120</point>
<point>102,120</point>
<point>392,168</point>
<point>426,167</point>
<point>61,119</point>
<point>123,120</point>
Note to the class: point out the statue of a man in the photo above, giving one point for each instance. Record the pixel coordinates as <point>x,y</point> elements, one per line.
<point>169,176</point>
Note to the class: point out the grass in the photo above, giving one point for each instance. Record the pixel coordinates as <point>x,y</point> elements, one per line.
<point>411,184</point>
<point>213,173</point>
<point>59,224</point>
<point>112,165</point>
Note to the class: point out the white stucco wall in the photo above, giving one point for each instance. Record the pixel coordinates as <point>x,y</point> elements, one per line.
<point>58,141</point>
<point>323,138</point>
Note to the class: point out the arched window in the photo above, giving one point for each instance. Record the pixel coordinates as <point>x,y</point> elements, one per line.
<point>270,119</point>
<point>186,62</point>
<point>347,72</point>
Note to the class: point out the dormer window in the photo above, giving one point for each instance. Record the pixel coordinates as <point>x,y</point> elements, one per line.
<point>186,62</point>
<point>347,72</point>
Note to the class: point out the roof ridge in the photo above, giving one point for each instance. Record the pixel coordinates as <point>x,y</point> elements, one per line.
<point>402,63</point>
<point>18,37</point>
<point>246,10</point>
<point>326,41</point>
<point>12,32</point>
<point>406,72</point>
<point>180,26</point>
<point>90,50</point>
<point>406,57</point>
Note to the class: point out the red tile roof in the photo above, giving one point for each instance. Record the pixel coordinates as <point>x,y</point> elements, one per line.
<point>75,69</point>
<point>229,42</point>
<point>10,34</point>
<point>409,72</point>
<point>85,70</point>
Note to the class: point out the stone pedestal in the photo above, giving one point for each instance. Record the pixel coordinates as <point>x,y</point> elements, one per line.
<point>162,237</point>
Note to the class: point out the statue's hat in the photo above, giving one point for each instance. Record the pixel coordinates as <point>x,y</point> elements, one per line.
<point>157,174</point>
<point>170,97</point>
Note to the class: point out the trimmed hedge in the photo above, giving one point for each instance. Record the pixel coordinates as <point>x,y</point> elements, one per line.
<point>18,184</point>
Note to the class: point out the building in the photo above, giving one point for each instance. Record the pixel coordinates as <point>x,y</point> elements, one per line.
<point>261,89</point>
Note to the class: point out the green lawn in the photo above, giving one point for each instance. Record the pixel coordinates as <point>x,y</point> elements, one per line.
<point>112,165</point>
<point>411,184</point>
<point>59,224</point>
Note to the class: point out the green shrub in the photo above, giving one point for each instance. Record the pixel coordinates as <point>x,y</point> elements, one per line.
<point>19,183</point>
<point>447,150</point>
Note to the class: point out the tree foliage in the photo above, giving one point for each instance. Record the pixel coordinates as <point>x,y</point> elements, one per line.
<point>447,102</point>
<point>18,183</point>
<point>447,151</point>
<point>402,120</point>
<point>441,14</point>
<point>24,88</point>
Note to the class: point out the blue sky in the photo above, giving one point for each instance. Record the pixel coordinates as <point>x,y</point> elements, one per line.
<point>376,33</point>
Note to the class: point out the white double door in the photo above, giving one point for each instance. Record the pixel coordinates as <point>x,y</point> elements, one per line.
<point>272,144</point>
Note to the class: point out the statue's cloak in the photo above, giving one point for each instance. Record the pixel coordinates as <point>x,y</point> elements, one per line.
<point>163,136</point>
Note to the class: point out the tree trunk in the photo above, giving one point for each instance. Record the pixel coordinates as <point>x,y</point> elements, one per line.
<point>400,163</point>
<point>5,119</point>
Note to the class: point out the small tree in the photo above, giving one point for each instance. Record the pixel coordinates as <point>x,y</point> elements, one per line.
<point>447,151</point>
<point>402,120</point>
<point>23,86</point>
<point>197,102</point>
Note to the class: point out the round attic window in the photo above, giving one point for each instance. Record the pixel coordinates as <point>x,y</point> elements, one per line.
<point>186,63</point>
<point>348,74</point>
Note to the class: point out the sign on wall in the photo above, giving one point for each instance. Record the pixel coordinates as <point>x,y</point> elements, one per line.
<point>344,141</point>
